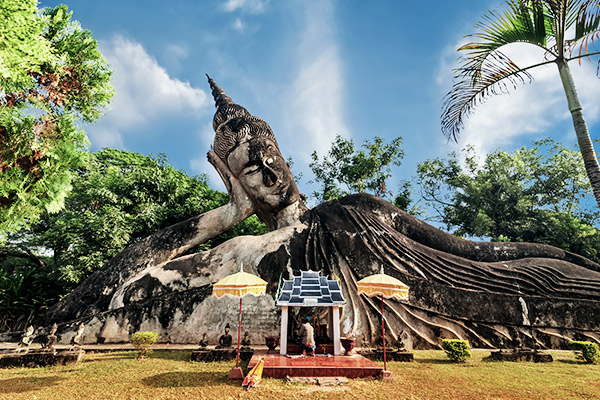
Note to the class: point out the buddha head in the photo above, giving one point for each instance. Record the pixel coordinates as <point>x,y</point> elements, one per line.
<point>249,148</point>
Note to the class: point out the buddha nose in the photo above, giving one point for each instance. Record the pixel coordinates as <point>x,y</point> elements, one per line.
<point>270,176</point>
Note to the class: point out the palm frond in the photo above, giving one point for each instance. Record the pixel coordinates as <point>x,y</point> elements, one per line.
<point>523,22</point>
<point>484,70</point>
<point>499,74</point>
<point>587,27</point>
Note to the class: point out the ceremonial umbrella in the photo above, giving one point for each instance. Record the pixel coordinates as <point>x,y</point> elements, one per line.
<point>239,285</point>
<point>386,286</point>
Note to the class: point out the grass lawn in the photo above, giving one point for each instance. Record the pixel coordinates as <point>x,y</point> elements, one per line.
<point>170,375</point>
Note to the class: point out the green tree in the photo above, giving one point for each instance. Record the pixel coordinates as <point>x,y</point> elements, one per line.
<point>25,287</point>
<point>118,198</point>
<point>52,76</point>
<point>560,28</point>
<point>346,170</point>
<point>532,195</point>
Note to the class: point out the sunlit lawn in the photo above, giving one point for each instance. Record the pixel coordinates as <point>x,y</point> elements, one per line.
<point>169,375</point>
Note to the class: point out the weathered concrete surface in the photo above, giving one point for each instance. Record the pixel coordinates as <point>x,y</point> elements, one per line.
<point>211,355</point>
<point>40,359</point>
<point>489,293</point>
<point>390,355</point>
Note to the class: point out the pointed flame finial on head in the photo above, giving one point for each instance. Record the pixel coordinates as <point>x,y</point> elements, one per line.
<point>241,267</point>
<point>218,94</point>
<point>233,124</point>
<point>381,271</point>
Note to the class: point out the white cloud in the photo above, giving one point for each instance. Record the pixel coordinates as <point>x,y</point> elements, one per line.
<point>200,164</point>
<point>144,93</point>
<point>105,137</point>
<point>316,99</point>
<point>177,51</point>
<point>251,6</point>
<point>529,109</point>
<point>238,25</point>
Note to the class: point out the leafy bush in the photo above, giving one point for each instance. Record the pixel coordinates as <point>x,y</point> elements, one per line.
<point>142,341</point>
<point>586,351</point>
<point>456,350</point>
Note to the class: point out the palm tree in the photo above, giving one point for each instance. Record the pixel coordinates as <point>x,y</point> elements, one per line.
<point>484,70</point>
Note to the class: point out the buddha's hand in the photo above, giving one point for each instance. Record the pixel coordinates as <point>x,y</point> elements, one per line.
<point>238,198</point>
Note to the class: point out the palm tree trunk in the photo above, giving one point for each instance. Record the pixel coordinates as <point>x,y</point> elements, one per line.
<point>581,131</point>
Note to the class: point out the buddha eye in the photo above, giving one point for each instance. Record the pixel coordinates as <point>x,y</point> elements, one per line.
<point>251,170</point>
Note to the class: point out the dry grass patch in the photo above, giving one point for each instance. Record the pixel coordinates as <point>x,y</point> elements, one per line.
<point>170,375</point>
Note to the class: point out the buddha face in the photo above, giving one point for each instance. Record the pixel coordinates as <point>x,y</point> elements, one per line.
<point>264,175</point>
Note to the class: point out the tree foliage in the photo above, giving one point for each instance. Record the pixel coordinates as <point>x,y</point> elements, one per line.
<point>52,76</point>
<point>345,170</point>
<point>118,198</point>
<point>533,195</point>
<point>142,341</point>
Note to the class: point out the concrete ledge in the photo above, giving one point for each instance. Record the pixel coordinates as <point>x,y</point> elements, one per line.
<point>210,355</point>
<point>377,355</point>
<point>521,355</point>
<point>40,358</point>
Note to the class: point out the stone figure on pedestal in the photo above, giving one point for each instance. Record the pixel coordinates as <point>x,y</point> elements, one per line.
<point>487,293</point>
<point>77,339</point>
<point>26,340</point>
<point>50,339</point>
<point>225,340</point>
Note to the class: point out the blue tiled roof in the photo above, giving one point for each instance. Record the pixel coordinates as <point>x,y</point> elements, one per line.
<point>310,289</point>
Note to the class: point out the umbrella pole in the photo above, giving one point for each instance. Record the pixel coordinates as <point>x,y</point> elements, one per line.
<point>237,361</point>
<point>383,335</point>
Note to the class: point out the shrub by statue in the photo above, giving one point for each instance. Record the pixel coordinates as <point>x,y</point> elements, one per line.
<point>586,351</point>
<point>456,350</point>
<point>142,341</point>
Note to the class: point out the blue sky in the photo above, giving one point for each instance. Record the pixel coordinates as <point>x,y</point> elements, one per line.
<point>311,69</point>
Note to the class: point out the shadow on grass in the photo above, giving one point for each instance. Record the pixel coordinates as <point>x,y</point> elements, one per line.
<point>190,379</point>
<point>95,357</point>
<point>490,359</point>
<point>572,362</point>
<point>21,385</point>
<point>434,361</point>
<point>169,355</point>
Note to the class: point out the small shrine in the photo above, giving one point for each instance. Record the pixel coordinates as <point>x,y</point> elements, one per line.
<point>311,290</point>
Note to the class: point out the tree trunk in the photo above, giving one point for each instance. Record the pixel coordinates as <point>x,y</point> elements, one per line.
<point>581,131</point>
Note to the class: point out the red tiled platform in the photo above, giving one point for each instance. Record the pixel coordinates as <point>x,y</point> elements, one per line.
<point>278,366</point>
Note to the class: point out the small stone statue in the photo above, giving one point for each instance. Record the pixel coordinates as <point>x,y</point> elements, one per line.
<point>26,340</point>
<point>225,340</point>
<point>204,341</point>
<point>246,341</point>
<point>518,343</point>
<point>364,342</point>
<point>77,340</point>
<point>379,342</point>
<point>399,344</point>
<point>50,340</point>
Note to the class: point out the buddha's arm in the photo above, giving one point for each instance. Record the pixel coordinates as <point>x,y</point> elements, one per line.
<point>94,295</point>
<point>185,235</point>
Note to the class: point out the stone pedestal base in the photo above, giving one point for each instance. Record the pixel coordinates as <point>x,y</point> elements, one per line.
<point>521,355</point>
<point>210,355</point>
<point>237,373</point>
<point>377,355</point>
<point>386,375</point>
<point>40,358</point>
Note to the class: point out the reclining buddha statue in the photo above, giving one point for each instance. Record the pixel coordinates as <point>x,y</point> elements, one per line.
<point>492,294</point>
